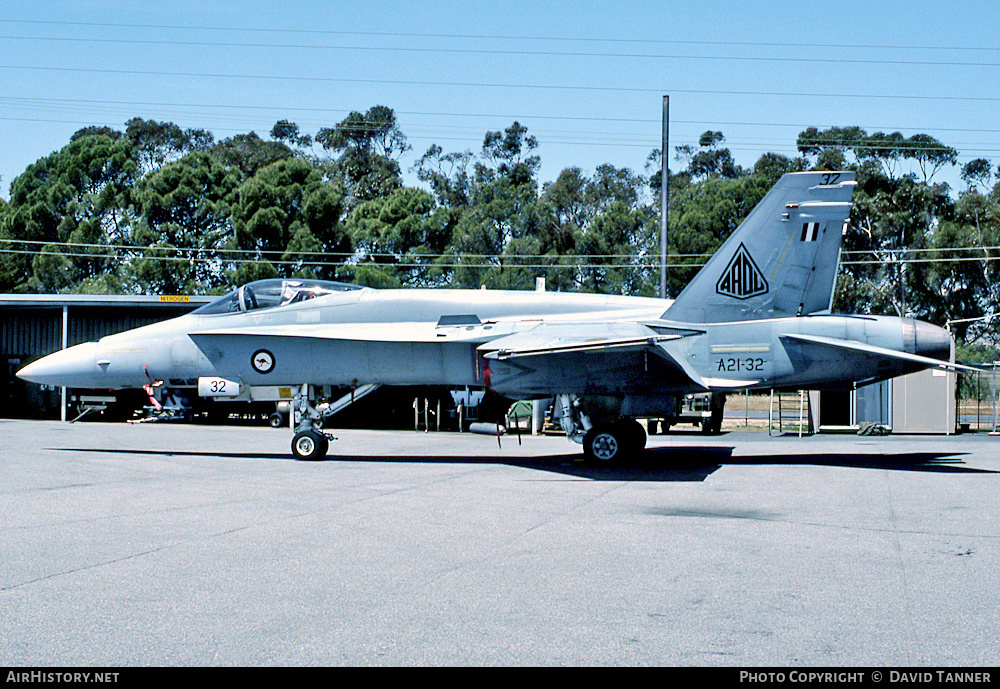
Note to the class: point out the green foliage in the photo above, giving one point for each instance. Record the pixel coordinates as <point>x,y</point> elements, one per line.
<point>880,152</point>
<point>157,143</point>
<point>368,147</point>
<point>447,175</point>
<point>248,153</point>
<point>400,240</point>
<point>891,219</point>
<point>978,175</point>
<point>611,246</point>
<point>288,133</point>
<point>771,166</point>
<point>184,209</point>
<point>78,196</point>
<point>507,155</point>
<point>287,210</point>
<point>702,216</point>
<point>709,160</point>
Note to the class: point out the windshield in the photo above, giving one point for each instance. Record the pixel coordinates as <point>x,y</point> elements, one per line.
<point>267,294</point>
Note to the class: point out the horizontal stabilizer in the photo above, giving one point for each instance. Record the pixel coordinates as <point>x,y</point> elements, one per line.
<point>856,346</point>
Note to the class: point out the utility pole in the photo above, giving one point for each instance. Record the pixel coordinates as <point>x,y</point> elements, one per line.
<point>664,196</point>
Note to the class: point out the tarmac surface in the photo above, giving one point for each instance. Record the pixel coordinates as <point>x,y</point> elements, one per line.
<point>128,545</point>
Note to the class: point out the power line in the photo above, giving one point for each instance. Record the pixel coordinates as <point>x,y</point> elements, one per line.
<point>505,51</point>
<point>500,37</point>
<point>340,254</point>
<point>316,259</point>
<point>559,137</point>
<point>315,263</point>
<point>557,87</point>
<point>570,118</point>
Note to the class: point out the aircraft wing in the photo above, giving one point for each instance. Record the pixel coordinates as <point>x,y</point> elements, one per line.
<point>856,346</point>
<point>606,355</point>
<point>515,347</point>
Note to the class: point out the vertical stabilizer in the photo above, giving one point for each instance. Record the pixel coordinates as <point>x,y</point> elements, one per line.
<point>781,260</point>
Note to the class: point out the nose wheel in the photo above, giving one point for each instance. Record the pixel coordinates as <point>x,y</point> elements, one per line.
<point>310,445</point>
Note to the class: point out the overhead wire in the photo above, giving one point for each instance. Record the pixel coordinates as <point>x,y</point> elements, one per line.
<point>353,260</point>
<point>635,140</point>
<point>556,137</point>
<point>342,112</point>
<point>583,39</point>
<point>470,84</point>
<point>504,51</point>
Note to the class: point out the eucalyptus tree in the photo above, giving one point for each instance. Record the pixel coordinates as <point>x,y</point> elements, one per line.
<point>158,143</point>
<point>71,208</point>
<point>978,175</point>
<point>184,210</point>
<point>287,220</point>
<point>708,159</point>
<point>289,134</point>
<point>367,147</point>
<point>401,240</point>
<point>248,153</point>
<point>498,231</point>
<point>447,174</point>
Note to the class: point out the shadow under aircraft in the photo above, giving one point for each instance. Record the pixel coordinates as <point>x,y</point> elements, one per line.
<point>677,463</point>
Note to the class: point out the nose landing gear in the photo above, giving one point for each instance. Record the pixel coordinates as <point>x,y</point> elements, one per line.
<point>310,442</point>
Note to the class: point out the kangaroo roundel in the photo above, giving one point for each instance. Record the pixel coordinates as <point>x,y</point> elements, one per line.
<point>742,278</point>
<point>262,361</point>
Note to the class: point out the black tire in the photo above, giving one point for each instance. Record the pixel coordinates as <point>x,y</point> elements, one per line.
<point>635,436</point>
<point>713,425</point>
<point>276,420</point>
<point>310,445</point>
<point>614,442</point>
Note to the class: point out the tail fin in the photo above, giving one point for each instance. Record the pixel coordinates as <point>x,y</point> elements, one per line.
<point>781,260</point>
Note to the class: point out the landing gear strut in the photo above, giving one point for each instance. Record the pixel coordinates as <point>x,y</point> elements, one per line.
<point>309,442</point>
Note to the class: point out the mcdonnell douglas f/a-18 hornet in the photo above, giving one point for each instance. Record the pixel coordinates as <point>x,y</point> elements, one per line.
<point>756,316</point>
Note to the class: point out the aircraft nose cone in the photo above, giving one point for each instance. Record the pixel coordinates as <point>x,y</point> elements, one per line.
<point>75,367</point>
<point>932,341</point>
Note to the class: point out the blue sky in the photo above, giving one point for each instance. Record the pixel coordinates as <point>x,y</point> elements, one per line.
<point>587,79</point>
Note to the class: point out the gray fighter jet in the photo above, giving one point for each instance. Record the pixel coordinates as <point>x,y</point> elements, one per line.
<point>755,317</point>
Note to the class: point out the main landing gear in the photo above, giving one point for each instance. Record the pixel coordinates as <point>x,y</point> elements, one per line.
<point>604,442</point>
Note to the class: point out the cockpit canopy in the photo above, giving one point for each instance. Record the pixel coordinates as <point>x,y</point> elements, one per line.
<point>268,294</point>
